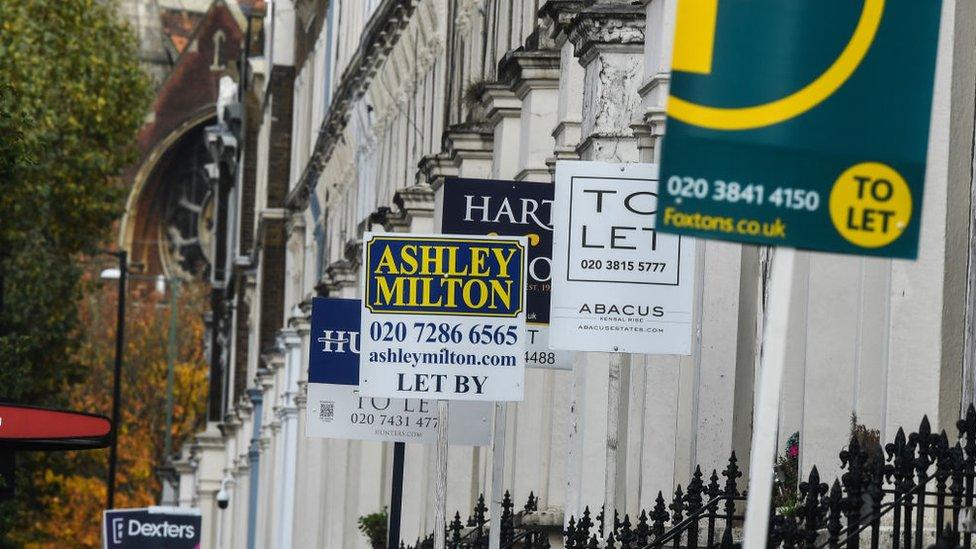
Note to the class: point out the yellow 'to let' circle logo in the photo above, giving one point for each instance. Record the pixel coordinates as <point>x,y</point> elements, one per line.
<point>694,41</point>
<point>870,205</point>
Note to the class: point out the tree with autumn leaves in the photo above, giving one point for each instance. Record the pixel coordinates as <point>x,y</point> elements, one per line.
<point>72,98</point>
<point>72,485</point>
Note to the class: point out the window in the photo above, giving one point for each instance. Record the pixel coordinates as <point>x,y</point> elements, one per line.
<point>218,39</point>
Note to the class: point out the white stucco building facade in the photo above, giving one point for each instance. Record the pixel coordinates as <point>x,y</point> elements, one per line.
<point>386,99</point>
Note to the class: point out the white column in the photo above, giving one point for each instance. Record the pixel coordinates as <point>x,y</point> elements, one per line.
<point>502,111</point>
<point>701,405</point>
<point>924,375</point>
<point>608,38</point>
<point>292,343</point>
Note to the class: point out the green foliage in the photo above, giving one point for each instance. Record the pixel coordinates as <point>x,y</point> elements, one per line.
<point>72,97</point>
<point>373,526</point>
<point>868,439</point>
<point>786,498</point>
<point>75,91</point>
<point>72,100</point>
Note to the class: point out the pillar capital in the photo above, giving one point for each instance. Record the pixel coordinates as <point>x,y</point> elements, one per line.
<point>466,152</point>
<point>528,70</point>
<point>607,27</point>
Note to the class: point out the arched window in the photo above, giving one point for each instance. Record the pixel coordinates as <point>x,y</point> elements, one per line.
<point>218,50</point>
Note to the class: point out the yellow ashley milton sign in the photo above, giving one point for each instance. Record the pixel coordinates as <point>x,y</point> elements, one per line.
<point>448,275</point>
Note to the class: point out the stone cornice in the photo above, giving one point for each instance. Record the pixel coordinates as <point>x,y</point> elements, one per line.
<point>378,39</point>
<point>525,70</point>
<point>353,252</point>
<point>416,201</point>
<point>499,102</point>
<point>560,14</point>
<point>460,142</point>
<point>607,27</point>
<point>338,275</point>
<point>301,398</point>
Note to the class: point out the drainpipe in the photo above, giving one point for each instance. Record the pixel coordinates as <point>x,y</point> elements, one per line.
<point>254,456</point>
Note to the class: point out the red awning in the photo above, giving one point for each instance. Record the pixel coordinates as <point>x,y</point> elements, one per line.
<point>30,428</point>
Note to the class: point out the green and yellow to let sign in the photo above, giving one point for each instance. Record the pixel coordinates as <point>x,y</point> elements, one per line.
<point>802,123</point>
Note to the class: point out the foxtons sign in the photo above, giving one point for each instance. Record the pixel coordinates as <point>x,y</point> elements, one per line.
<point>337,410</point>
<point>617,284</point>
<point>813,138</point>
<point>443,317</point>
<point>483,207</point>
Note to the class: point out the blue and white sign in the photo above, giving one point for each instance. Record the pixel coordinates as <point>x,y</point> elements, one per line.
<point>151,528</point>
<point>513,208</point>
<point>337,410</point>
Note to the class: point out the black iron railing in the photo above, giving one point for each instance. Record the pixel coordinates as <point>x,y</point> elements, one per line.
<point>909,494</point>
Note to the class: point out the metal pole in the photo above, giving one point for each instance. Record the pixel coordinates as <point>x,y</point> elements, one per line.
<point>254,457</point>
<point>440,478</point>
<point>170,364</point>
<point>497,475</point>
<point>613,421</point>
<point>396,497</point>
<point>113,454</point>
<point>764,428</point>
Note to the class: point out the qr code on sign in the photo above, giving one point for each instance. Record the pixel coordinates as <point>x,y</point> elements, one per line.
<point>326,410</point>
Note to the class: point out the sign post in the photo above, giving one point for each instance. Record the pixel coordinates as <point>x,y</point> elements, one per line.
<point>336,409</point>
<point>396,497</point>
<point>617,285</point>
<point>613,425</point>
<point>515,208</point>
<point>440,478</point>
<point>497,475</point>
<point>797,140</point>
<point>444,317</point>
<point>766,423</point>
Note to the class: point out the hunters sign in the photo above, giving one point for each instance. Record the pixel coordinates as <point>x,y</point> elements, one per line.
<point>337,410</point>
<point>617,285</point>
<point>801,123</point>
<point>443,317</point>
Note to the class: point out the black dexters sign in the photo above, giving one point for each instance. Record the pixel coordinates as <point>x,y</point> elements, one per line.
<point>151,528</point>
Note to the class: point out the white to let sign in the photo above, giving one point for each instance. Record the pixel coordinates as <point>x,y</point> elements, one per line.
<point>443,317</point>
<point>617,284</point>
<point>337,410</point>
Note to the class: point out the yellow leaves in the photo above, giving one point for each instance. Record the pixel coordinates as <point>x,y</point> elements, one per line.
<point>73,513</point>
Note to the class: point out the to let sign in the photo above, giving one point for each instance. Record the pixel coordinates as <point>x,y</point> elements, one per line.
<point>337,410</point>
<point>517,208</point>
<point>813,138</point>
<point>443,317</point>
<point>617,284</point>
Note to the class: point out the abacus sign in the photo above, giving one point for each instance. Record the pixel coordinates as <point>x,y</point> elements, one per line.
<point>337,410</point>
<point>443,317</point>
<point>617,285</point>
<point>814,138</point>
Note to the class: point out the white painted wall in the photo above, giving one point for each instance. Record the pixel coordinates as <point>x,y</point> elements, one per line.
<point>877,337</point>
